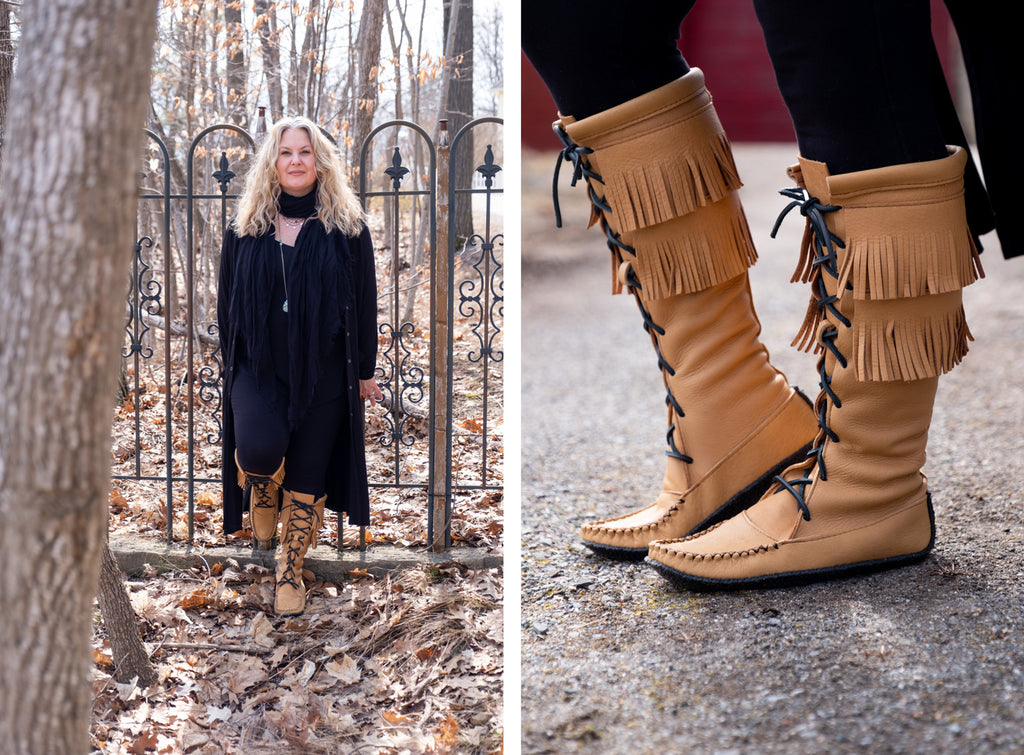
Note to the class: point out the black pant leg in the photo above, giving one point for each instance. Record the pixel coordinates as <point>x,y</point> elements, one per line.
<point>310,445</point>
<point>857,79</point>
<point>595,55</point>
<point>261,430</point>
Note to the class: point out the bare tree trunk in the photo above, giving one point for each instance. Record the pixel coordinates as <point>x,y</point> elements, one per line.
<point>292,69</point>
<point>396,56</point>
<point>371,23</point>
<point>6,66</point>
<point>459,105</point>
<point>58,365</point>
<point>346,97</point>
<point>420,223</point>
<point>235,34</point>
<point>318,79</point>
<point>267,22</point>
<point>306,64</point>
<point>129,654</point>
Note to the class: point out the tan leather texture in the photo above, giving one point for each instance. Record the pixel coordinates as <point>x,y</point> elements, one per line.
<point>302,516</point>
<point>872,502</point>
<point>262,504</point>
<point>667,173</point>
<point>741,417</point>
<point>669,182</point>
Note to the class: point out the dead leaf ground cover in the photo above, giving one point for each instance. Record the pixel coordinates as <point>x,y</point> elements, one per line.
<point>411,663</point>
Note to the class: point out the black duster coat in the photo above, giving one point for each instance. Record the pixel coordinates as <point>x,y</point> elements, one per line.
<point>995,71</point>
<point>347,489</point>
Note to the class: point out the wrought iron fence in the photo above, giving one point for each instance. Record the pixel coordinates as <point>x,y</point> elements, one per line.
<point>171,318</point>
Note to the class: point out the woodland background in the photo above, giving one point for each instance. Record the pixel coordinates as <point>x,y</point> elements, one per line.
<point>410,663</point>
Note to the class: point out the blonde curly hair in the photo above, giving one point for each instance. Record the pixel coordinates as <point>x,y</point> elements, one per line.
<point>337,205</point>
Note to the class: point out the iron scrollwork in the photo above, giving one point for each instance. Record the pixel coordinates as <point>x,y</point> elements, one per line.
<point>400,381</point>
<point>210,385</point>
<point>145,299</point>
<point>483,296</point>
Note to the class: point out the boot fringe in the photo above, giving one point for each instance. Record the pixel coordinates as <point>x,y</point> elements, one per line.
<point>696,252</point>
<point>907,266</point>
<point>644,191</point>
<point>804,266</point>
<point>807,337</point>
<point>910,349</point>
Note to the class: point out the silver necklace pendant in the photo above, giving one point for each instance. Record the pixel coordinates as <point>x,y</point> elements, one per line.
<point>284,276</point>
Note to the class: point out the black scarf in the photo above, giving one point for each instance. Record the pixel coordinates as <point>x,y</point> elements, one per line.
<point>298,207</point>
<point>318,288</point>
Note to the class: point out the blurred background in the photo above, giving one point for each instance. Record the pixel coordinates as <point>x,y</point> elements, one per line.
<point>724,40</point>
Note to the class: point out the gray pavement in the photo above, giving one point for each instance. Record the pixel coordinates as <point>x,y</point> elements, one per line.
<point>929,658</point>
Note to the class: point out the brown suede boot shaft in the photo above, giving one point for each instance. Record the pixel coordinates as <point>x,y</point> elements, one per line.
<point>663,182</point>
<point>302,517</point>
<point>264,495</point>
<point>661,158</point>
<point>904,326</point>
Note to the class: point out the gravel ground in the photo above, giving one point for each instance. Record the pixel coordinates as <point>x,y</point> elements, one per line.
<point>928,658</point>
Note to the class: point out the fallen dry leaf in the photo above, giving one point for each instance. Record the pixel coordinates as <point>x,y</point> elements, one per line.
<point>146,741</point>
<point>345,671</point>
<point>261,630</point>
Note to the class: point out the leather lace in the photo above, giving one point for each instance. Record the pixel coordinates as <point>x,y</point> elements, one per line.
<point>825,260</point>
<point>260,488</point>
<point>576,154</point>
<point>300,532</point>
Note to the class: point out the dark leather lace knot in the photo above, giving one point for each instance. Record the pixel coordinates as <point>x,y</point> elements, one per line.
<point>261,486</point>
<point>824,240</point>
<point>575,154</point>
<point>824,260</point>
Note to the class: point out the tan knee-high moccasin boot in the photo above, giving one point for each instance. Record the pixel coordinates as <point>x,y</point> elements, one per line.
<point>887,252</point>
<point>262,497</point>
<point>663,187</point>
<point>302,516</point>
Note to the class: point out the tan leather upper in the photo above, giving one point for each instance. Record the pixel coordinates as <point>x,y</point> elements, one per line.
<point>667,174</point>
<point>872,502</point>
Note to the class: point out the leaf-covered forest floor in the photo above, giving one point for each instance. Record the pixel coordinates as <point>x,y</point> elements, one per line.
<point>411,662</point>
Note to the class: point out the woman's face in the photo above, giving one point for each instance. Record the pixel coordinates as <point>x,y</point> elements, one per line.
<point>296,166</point>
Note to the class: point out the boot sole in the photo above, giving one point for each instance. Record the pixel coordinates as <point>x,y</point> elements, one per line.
<point>795,578</point>
<point>739,502</point>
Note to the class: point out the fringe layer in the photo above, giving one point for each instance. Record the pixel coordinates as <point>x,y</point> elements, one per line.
<point>659,177</point>
<point>694,252</point>
<point>889,267</point>
<point>807,337</point>
<point>910,265</point>
<point>893,345</point>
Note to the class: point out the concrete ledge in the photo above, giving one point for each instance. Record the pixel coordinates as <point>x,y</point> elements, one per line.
<point>327,563</point>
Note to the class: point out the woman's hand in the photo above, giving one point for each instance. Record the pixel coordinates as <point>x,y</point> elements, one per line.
<point>368,389</point>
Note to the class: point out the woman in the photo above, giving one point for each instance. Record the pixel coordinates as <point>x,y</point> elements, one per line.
<point>890,243</point>
<point>297,314</point>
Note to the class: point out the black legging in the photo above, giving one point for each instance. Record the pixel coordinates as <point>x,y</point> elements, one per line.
<point>595,55</point>
<point>857,77</point>
<point>263,437</point>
